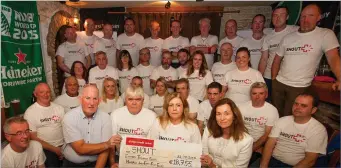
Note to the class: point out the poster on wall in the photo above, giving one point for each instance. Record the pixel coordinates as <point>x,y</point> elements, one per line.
<point>21,57</point>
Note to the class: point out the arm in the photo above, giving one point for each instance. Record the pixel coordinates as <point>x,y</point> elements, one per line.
<point>41,166</point>
<point>261,141</point>
<point>102,159</point>
<point>275,66</point>
<point>225,89</point>
<point>46,145</point>
<point>152,83</point>
<point>82,148</point>
<point>112,156</point>
<point>88,61</point>
<point>263,61</point>
<point>267,152</point>
<point>193,117</point>
<point>61,65</point>
<point>333,59</point>
<point>308,161</point>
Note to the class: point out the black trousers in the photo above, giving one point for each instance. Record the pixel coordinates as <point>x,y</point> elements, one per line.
<point>52,159</point>
<point>67,163</point>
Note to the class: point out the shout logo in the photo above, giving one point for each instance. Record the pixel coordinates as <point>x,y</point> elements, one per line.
<point>305,48</point>
<point>80,51</point>
<point>171,139</point>
<point>261,120</point>
<point>21,57</point>
<point>168,78</point>
<point>179,139</point>
<point>299,138</point>
<point>155,48</point>
<point>89,45</point>
<point>137,131</point>
<point>132,45</point>
<point>55,118</point>
<point>241,81</point>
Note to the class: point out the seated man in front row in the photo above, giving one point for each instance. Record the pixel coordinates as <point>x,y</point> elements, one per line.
<point>296,140</point>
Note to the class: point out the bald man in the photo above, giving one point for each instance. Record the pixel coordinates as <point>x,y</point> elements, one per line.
<point>69,100</point>
<point>154,44</point>
<point>45,120</point>
<point>302,52</point>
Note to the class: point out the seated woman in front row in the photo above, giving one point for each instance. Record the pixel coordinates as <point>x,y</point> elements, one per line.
<point>226,142</point>
<point>174,123</point>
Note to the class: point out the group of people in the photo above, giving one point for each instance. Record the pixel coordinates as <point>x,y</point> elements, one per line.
<point>252,108</point>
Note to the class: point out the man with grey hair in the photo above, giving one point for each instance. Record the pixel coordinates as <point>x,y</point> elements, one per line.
<point>69,99</point>
<point>21,151</point>
<point>154,44</point>
<point>135,83</point>
<point>132,119</point>
<point>205,42</point>
<point>259,117</point>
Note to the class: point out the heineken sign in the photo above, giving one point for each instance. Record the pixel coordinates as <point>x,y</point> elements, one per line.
<point>21,57</point>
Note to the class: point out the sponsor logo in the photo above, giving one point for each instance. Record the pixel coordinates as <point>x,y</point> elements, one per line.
<point>254,50</point>
<point>6,18</point>
<point>274,46</point>
<point>172,139</point>
<point>132,45</point>
<point>137,131</point>
<point>177,48</point>
<point>54,118</point>
<point>296,138</point>
<point>304,48</point>
<point>243,81</point>
<point>125,77</point>
<point>21,57</point>
<point>259,120</point>
<point>155,48</point>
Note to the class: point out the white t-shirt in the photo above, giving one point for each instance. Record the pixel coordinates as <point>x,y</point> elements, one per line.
<point>219,70</point>
<point>254,47</point>
<point>293,139</point>
<point>193,104</point>
<point>125,123</point>
<point>204,113</point>
<point>72,52</point>
<point>109,47</point>
<point>175,44</point>
<point>188,133</point>
<point>256,119</point>
<point>133,44</point>
<point>235,44</point>
<point>33,156</point>
<point>81,83</point>
<point>145,72</point>
<point>227,152</point>
<point>169,74</point>
<point>125,77</point>
<point>47,122</point>
<point>239,83</point>
<point>67,102</point>
<point>198,83</point>
<point>156,104</point>
<point>181,70</point>
<point>110,105</point>
<point>155,48</point>
<point>89,42</point>
<point>302,53</point>
<point>209,41</point>
<point>97,76</point>
<point>271,42</point>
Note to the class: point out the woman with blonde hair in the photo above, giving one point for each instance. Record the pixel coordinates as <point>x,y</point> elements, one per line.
<point>174,123</point>
<point>156,101</point>
<point>226,142</point>
<point>110,99</point>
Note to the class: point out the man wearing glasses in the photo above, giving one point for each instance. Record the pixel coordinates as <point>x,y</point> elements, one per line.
<point>21,151</point>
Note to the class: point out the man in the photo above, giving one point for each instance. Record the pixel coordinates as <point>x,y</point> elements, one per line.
<point>166,71</point>
<point>271,41</point>
<point>302,52</point>
<point>69,100</point>
<point>88,37</point>
<point>98,73</point>
<point>72,50</point>
<point>130,40</point>
<point>259,117</point>
<point>298,139</point>
<point>45,120</point>
<point>145,70</point>
<point>132,119</point>
<point>135,83</point>
<point>107,44</point>
<point>175,42</point>
<point>214,94</point>
<point>183,57</point>
<point>226,64</point>
<point>21,151</point>
<point>182,87</point>
<point>87,132</point>
<point>231,36</point>
<point>205,42</point>
<point>154,44</point>
<point>254,44</point>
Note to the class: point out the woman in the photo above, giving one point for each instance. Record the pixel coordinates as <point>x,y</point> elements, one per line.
<point>198,75</point>
<point>239,81</point>
<point>126,70</point>
<point>110,99</point>
<point>174,123</point>
<point>79,71</point>
<point>226,142</point>
<point>156,101</point>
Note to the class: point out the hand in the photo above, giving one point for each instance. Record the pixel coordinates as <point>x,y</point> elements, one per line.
<point>58,152</point>
<point>213,49</point>
<point>114,140</point>
<point>336,85</point>
<point>115,165</point>
<point>192,49</point>
<point>206,160</point>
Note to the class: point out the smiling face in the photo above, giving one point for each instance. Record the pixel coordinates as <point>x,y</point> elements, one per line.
<point>242,59</point>
<point>197,61</point>
<point>226,51</point>
<point>109,87</point>
<point>175,108</point>
<point>224,116</point>
<point>71,86</point>
<point>129,26</point>
<point>78,69</point>
<point>19,142</point>
<point>43,94</point>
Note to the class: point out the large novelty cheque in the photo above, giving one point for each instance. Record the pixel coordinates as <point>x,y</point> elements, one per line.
<point>140,152</point>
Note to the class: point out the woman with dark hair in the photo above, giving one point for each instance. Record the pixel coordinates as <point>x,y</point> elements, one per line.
<point>157,100</point>
<point>225,141</point>
<point>198,75</point>
<point>79,71</point>
<point>126,70</point>
<point>174,123</point>
<point>238,81</point>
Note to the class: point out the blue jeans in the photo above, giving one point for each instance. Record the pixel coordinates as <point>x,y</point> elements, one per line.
<point>268,83</point>
<point>276,163</point>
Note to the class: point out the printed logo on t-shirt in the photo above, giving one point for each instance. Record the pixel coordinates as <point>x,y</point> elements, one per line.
<point>177,48</point>
<point>254,50</point>
<point>259,120</point>
<point>32,164</point>
<point>127,46</point>
<point>219,75</point>
<point>201,45</point>
<point>304,48</point>
<point>273,46</point>
<point>80,51</point>
<point>297,138</point>
<point>137,131</point>
<point>194,78</point>
<point>89,45</point>
<point>153,49</point>
<point>167,78</point>
<point>101,77</point>
<point>145,77</point>
<point>54,118</point>
<point>125,77</point>
<point>241,81</point>
<point>172,139</point>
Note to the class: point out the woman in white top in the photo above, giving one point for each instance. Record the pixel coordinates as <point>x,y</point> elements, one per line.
<point>238,81</point>
<point>174,124</point>
<point>226,142</point>
<point>126,70</point>
<point>110,99</point>
<point>156,101</point>
<point>80,72</point>
<point>198,75</point>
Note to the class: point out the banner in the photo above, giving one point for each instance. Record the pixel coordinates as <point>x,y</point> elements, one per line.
<point>21,57</point>
<point>140,152</point>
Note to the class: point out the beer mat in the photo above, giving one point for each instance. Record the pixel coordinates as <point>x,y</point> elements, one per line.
<point>324,79</point>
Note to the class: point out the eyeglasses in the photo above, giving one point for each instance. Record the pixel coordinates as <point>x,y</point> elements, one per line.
<point>21,133</point>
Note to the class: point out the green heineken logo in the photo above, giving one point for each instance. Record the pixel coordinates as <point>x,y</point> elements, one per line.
<point>21,57</point>
<point>6,14</point>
